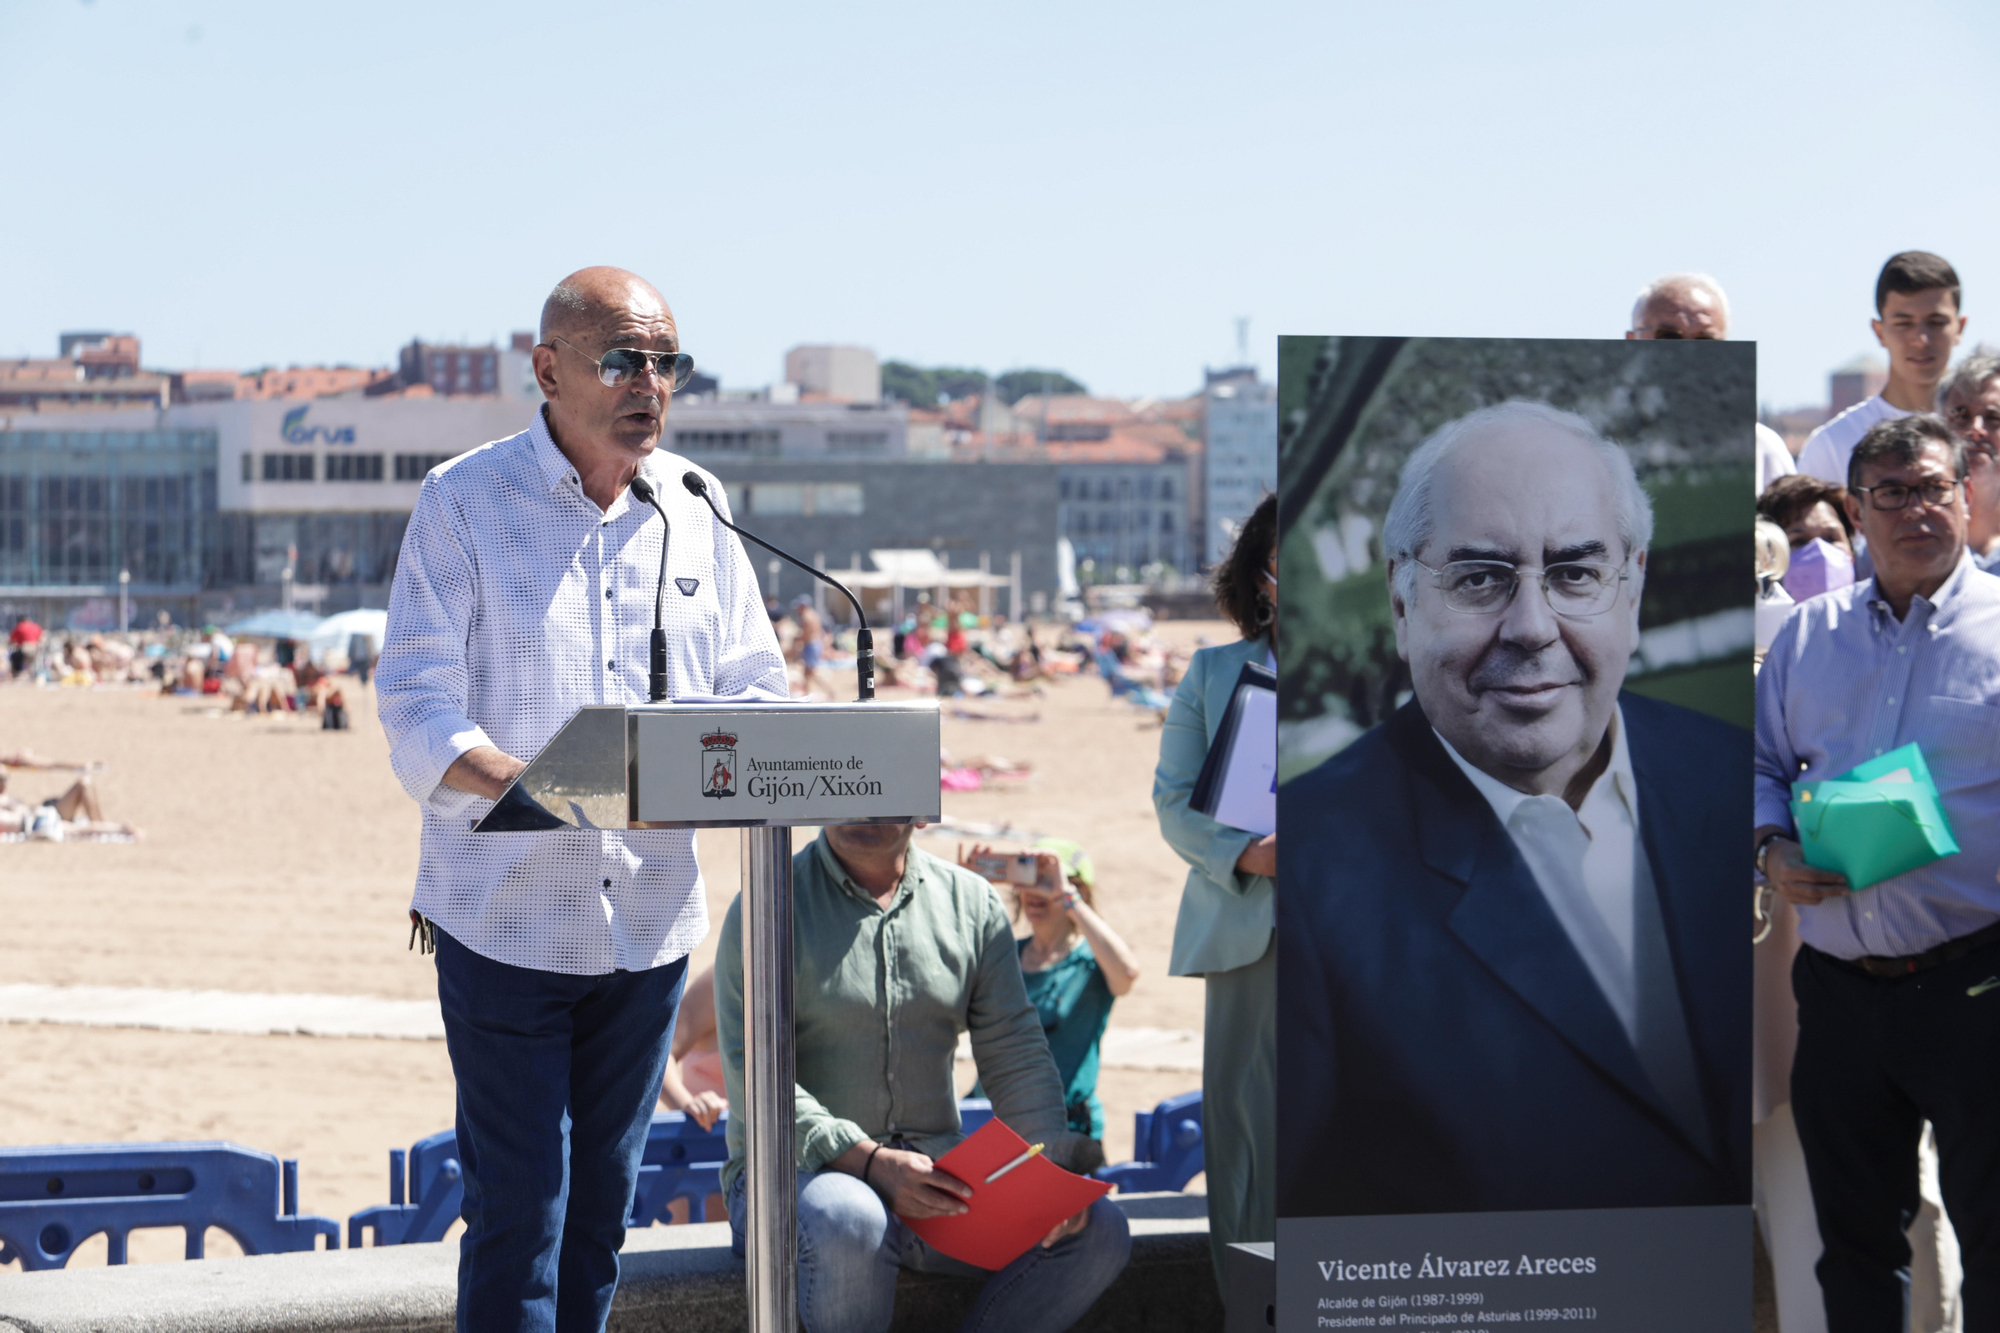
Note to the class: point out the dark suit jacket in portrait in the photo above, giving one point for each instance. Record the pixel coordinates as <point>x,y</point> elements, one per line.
<point>1441,1045</point>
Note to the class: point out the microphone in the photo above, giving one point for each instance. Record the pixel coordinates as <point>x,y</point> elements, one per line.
<point>656,684</point>
<point>864,642</point>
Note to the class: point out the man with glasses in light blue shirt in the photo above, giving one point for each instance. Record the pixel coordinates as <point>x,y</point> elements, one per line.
<point>1898,984</point>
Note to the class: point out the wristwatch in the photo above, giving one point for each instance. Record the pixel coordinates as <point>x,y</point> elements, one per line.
<point>1764,848</point>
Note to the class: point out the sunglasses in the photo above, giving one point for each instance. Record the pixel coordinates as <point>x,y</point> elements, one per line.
<point>620,365</point>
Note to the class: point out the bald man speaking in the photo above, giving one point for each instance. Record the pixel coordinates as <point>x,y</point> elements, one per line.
<point>525,591</point>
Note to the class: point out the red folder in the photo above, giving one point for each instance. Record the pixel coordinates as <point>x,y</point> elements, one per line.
<point>1004,1219</point>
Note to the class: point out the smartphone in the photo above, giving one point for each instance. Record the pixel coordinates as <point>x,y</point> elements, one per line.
<point>1021,869</point>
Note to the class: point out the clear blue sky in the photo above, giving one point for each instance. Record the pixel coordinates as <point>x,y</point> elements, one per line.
<point>1101,187</point>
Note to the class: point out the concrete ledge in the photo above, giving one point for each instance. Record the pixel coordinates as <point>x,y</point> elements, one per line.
<point>676,1280</point>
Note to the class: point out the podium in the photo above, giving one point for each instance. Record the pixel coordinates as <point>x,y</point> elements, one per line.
<point>765,768</point>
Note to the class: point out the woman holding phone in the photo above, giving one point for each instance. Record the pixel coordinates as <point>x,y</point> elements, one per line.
<point>1073,962</point>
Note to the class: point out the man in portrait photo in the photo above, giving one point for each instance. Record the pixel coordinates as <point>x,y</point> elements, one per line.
<point>1513,945</point>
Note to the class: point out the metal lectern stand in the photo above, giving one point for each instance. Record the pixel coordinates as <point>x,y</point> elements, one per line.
<point>768,1080</point>
<point>763,767</point>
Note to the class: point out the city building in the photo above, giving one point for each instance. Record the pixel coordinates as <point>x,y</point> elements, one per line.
<point>204,386</point>
<point>308,381</point>
<point>208,505</point>
<point>103,356</point>
<point>1239,456</point>
<point>78,506</point>
<point>835,374</point>
<point>91,372</point>
<point>735,427</point>
<point>450,370</point>
<point>1858,380</point>
<point>996,517</point>
<point>1128,483</point>
<point>1124,503</point>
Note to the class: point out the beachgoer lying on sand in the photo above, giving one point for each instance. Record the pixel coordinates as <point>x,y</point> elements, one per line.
<point>77,807</point>
<point>25,758</point>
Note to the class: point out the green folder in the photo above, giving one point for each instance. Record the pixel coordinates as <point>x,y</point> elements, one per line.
<point>1878,820</point>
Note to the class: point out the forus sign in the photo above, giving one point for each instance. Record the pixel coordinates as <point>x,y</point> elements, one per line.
<point>295,430</point>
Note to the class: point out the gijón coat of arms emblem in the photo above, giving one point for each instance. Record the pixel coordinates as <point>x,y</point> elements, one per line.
<point>718,764</point>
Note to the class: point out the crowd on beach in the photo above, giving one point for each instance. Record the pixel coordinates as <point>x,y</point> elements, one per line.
<point>956,652</point>
<point>243,676</point>
<point>248,675</point>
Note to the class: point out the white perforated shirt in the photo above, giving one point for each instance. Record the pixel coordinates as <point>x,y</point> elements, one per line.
<point>516,602</point>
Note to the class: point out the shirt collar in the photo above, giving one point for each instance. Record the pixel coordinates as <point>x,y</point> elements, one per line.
<point>561,474</point>
<point>835,871</point>
<point>1505,799</point>
<point>1939,609</point>
<point>556,469</point>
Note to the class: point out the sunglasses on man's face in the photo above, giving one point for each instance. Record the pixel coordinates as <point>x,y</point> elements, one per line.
<point>621,365</point>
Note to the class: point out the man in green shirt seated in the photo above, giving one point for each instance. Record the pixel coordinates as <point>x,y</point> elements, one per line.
<point>896,952</point>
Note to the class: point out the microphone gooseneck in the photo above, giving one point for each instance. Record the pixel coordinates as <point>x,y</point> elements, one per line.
<point>656,683</point>
<point>864,641</point>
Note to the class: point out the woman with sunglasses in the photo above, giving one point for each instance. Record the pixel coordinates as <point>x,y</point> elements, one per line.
<point>1227,917</point>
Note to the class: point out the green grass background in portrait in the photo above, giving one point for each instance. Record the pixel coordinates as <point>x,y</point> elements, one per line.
<point>1352,410</point>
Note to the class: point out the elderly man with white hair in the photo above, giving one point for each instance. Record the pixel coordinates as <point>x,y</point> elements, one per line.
<point>1969,402</point>
<point>1521,883</point>
<point>1694,306</point>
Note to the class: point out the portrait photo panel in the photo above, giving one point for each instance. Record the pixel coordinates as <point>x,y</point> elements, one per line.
<point>1514,761</point>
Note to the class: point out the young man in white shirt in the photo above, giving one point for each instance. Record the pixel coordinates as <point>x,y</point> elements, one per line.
<point>1918,323</point>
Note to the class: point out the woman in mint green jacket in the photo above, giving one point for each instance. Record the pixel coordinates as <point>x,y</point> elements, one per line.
<point>1224,933</point>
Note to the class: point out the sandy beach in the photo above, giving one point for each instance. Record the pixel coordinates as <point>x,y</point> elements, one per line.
<point>279,858</point>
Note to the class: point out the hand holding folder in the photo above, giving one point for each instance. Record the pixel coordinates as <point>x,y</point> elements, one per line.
<point>1018,1197</point>
<point>1238,784</point>
<point>1881,819</point>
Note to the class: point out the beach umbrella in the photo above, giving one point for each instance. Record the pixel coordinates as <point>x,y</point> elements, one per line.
<point>275,625</point>
<point>334,632</point>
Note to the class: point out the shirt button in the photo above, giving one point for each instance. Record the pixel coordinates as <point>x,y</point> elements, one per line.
<point>1869,915</point>
<point>1892,701</point>
<point>607,883</point>
<point>613,666</point>
<point>607,594</point>
<point>1901,648</point>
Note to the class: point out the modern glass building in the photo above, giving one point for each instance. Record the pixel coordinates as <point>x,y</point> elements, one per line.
<point>219,509</point>
<point>77,507</point>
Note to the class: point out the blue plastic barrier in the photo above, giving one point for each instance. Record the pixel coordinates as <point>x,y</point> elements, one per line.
<point>682,1161</point>
<point>435,1195</point>
<point>1167,1140</point>
<point>974,1112</point>
<point>52,1199</point>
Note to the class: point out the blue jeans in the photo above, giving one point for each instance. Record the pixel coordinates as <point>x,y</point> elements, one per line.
<point>557,1079</point>
<point>850,1246</point>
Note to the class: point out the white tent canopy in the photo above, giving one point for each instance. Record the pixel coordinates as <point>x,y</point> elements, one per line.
<point>333,633</point>
<point>916,569</point>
